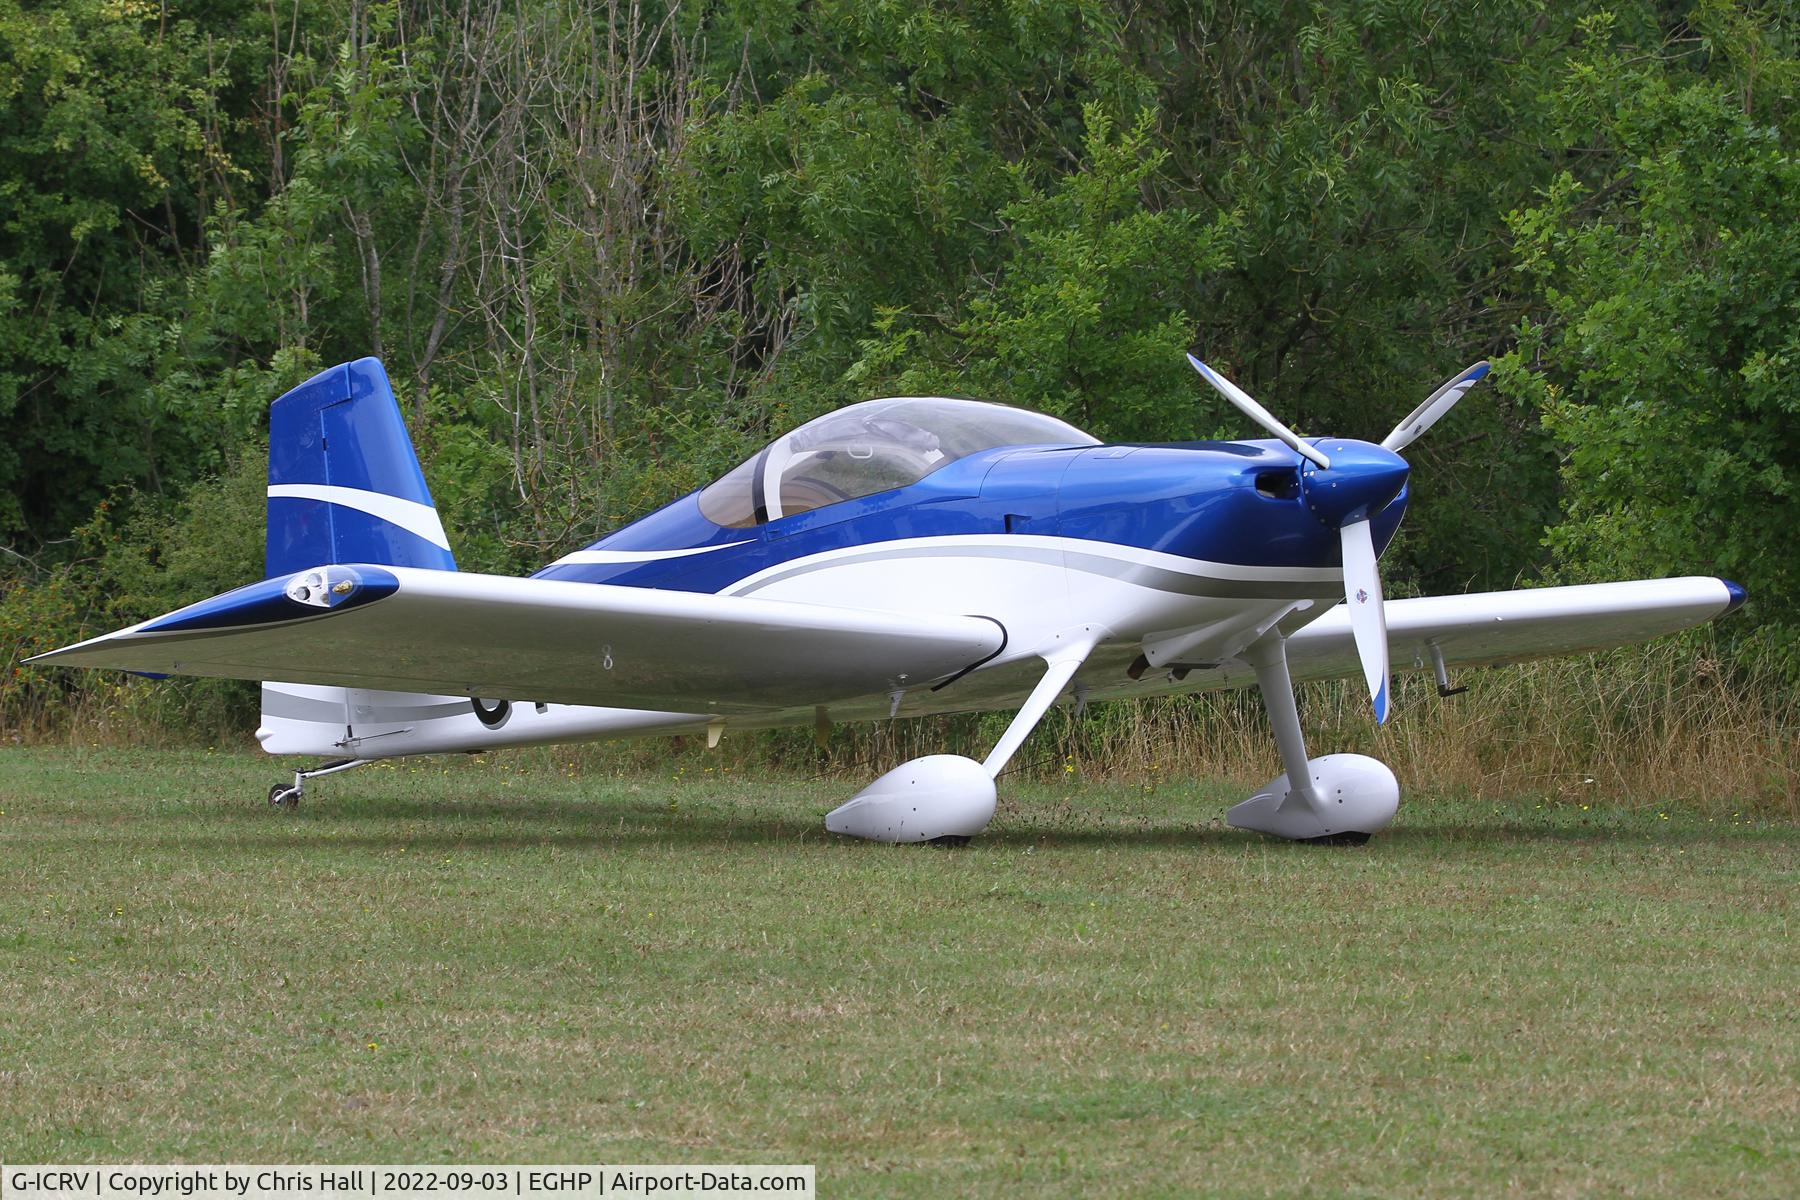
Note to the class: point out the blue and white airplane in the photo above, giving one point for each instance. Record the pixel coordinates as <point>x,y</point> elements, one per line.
<point>894,558</point>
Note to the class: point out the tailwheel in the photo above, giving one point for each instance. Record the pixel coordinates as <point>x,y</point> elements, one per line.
<point>287,795</point>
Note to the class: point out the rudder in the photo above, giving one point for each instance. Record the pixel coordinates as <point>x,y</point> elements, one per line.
<point>344,483</point>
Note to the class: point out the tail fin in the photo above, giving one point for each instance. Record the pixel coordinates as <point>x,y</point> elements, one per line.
<point>344,483</point>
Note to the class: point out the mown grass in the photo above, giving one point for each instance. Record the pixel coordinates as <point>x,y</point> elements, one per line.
<point>1108,994</point>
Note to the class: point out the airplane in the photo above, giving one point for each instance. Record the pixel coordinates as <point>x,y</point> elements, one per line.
<point>896,557</point>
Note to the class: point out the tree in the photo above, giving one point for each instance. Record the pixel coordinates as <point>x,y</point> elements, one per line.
<point>119,130</point>
<point>1665,359</point>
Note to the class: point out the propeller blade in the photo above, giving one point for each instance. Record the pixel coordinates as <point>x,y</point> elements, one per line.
<point>1368,618</point>
<point>1256,412</point>
<point>1435,406</point>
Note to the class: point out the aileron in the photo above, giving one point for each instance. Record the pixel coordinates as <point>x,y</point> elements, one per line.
<point>1486,628</point>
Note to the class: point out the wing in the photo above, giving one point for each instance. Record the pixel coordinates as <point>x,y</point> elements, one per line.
<point>455,633</point>
<point>1498,627</point>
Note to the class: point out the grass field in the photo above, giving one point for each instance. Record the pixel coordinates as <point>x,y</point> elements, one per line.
<point>1110,993</point>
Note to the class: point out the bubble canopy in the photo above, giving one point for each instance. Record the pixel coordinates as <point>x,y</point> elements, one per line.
<point>871,447</point>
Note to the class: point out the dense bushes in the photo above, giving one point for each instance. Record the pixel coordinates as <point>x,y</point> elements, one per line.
<point>604,251</point>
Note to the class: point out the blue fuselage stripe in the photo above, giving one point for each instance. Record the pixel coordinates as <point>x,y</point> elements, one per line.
<point>1216,502</point>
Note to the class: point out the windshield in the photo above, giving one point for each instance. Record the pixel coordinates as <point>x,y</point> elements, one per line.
<point>871,447</point>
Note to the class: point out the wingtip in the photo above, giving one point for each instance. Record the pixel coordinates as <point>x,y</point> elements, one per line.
<point>50,657</point>
<point>1735,594</point>
<point>1381,705</point>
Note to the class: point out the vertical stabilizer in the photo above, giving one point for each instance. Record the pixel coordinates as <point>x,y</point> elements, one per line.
<point>344,483</point>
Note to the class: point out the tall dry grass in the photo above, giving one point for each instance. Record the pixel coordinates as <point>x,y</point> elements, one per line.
<point>1642,724</point>
<point>1668,722</point>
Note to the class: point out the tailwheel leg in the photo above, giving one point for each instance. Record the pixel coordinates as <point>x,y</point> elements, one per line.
<point>287,795</point>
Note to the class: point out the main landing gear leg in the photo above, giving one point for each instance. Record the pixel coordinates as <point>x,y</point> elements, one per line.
<point>1339,798</point>
<point>946,798</point>
<point>287,795</point>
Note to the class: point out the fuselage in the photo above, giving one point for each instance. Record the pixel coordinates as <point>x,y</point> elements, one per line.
<point>1139,538</point>
<point>1170,556</point>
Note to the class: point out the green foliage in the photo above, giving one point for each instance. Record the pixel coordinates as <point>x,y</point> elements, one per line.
<point>164,554</point>
<point>1090,317</point>
<point>1087,315</point>
<point>115,140</point>
<point>142,556</point>
<point>36,616</point>
<point>1664,359</point>
<point>606,251</point>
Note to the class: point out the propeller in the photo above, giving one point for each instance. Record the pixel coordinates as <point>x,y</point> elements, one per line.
<point>1365,480</point>
<point>1368,616</point>
<point>1435,406</point>
<point>1258,413</point>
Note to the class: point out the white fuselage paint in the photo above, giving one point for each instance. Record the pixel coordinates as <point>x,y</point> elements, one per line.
<point>1044,590</point>
<point>616,557</point>
<point>418,519</point>
<point>337,722</point>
